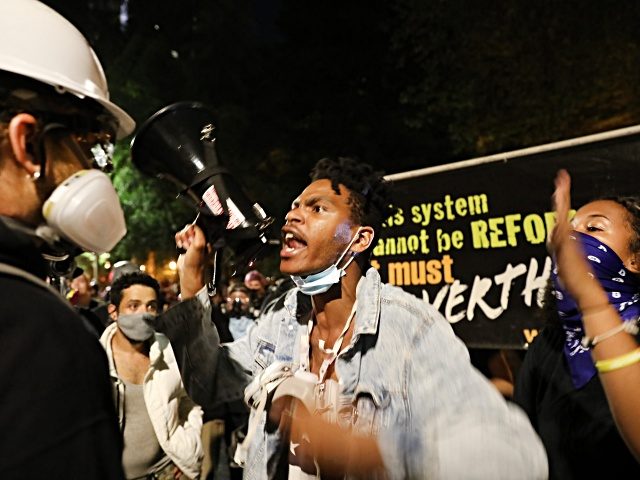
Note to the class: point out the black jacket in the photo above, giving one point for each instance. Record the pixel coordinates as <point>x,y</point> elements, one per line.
<point>57,418</point>
<point>575,425</point>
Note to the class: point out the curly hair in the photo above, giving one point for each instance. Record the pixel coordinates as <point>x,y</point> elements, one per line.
<point>129,279</point>
<point>632,205</point>
<point>369,193</point>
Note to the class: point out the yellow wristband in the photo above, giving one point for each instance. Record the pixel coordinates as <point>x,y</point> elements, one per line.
<point>618,362</point>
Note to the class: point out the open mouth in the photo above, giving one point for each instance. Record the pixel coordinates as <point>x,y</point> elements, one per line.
<point>292,243</point>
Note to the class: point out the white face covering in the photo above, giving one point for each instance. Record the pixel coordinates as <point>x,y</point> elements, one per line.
<point>137,326</point>
<point>85,210</point>
<point>320,282</point>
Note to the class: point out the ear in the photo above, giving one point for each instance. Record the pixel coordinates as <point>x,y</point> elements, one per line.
<point>633,264</point>
<point>364,240</point>
<point>113,312</point>
<point>21,130</point>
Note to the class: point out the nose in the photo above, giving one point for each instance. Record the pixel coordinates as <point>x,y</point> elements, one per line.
<point>140,309</point>
<point>578,226</point>
<point>293,216</point>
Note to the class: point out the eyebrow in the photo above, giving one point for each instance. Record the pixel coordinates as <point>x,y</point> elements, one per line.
<point>137,300</point>
<point>598,215</point>
<point>312,199</point>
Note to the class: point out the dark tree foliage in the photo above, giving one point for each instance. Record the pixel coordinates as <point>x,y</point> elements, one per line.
<point>507,74</point>
<point>402,84</point>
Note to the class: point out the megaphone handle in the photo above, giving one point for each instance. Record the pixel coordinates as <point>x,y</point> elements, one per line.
<point>180,250</point>
<point>212,284</point>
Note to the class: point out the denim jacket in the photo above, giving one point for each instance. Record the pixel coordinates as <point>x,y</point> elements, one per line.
<point>405,372</point>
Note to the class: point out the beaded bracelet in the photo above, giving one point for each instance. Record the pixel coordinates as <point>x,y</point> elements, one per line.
<point>631,327</point>
<point>618,362</point>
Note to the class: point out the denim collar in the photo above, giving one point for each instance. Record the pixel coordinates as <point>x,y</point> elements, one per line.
<point>368,296</point>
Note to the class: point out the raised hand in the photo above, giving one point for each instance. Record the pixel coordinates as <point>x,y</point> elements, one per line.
<point>192,264</point>
<point>573,269</point>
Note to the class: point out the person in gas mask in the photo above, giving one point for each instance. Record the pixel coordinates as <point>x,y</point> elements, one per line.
<point>239,310</point>
<point>57,126</point>
<point>257,285</point>
<point>160,424</point>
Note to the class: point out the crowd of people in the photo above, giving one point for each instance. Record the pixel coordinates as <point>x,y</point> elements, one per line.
<point>327,373</point>
<point>121,314</point>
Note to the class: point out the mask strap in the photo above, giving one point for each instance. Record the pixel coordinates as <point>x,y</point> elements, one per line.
<point>39,147</point>
<point>353,240</point>
<point>353,257</point>
<point>77,151</point>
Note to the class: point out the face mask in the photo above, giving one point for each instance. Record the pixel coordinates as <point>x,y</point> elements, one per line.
<point>622,288</point>
<point>85,210</point>
<point>137,326</point>
<point>237,307</point>
<point>320,282</point>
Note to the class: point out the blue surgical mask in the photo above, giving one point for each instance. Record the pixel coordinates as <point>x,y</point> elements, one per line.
<point>320,282</point>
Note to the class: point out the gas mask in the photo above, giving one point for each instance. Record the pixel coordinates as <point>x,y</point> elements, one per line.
<point>320,282</point>
<point>237,307</point>
<point>85,210</point>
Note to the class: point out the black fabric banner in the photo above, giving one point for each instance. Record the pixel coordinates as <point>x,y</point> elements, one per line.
<point>472,239</point>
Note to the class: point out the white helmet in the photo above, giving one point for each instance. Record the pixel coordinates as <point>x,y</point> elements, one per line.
<point>37,42</point>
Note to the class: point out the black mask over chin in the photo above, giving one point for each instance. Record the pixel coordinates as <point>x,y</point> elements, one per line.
<point>237,307</point>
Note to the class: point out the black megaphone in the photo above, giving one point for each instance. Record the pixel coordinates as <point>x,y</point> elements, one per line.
<point>177,144</point>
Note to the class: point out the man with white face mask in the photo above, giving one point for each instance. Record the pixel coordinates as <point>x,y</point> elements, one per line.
<point>382,386</point>
<point>57,125</point>
<point>160,424</point>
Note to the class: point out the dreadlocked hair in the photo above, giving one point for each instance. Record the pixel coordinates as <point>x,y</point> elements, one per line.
<point>369,193</point>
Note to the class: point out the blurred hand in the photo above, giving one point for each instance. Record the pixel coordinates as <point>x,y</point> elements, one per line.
<point>337,451</point>
<point>574,271</point>
<point>192,263</point>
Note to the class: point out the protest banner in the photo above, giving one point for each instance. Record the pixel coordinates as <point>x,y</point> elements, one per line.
<point>470,237</point>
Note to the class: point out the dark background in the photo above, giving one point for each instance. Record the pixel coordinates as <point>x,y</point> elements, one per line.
<point>403,84</point>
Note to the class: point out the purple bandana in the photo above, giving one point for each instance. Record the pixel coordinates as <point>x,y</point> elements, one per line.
<point>622,288</point>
